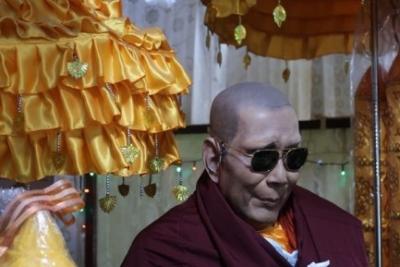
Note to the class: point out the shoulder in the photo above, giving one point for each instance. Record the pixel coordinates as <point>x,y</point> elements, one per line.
<point>160,243</point>
<point>316,206</point>
<point>168,240</point>
<point>171,226</point>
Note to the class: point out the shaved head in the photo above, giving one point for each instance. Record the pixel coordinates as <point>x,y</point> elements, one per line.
<point>224,114</point>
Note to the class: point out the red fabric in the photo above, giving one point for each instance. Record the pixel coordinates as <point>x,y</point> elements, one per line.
<point>205,232</point>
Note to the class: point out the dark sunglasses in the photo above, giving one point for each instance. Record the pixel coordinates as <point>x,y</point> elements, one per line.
<point>265,160</point>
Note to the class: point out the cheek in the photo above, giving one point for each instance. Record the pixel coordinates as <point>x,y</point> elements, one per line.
<point>293,177</point>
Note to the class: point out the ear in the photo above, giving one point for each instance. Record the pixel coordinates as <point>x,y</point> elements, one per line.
<point>212,158</point>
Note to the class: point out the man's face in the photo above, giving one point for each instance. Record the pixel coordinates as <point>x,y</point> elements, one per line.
<point>258,197</point>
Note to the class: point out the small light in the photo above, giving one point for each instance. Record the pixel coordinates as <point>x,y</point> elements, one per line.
<point>343,171</point>
<point>178,169</point>
<point>83,226</point>
<point>86,190</point>
<point>81,210</point>
<point>91,174</point>
<point>194,167</point>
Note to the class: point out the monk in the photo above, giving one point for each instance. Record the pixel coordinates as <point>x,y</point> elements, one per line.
<point>247,210</point>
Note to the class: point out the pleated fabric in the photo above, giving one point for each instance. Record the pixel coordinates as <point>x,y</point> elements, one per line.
<point>52,123</point>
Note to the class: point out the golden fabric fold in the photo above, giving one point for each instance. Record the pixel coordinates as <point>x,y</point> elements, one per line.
<point>312,27</point>
<point>53,123</point>
<point>93,149</point>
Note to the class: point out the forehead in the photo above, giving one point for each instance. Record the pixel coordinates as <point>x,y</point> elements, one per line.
<point>258,128</point>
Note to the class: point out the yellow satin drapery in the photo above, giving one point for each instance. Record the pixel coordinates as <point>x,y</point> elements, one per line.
<point>390,163</point>
<point>38,39</point>
<point>312,28</point>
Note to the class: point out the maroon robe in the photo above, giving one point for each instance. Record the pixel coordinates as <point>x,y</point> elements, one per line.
<point>205,232</point>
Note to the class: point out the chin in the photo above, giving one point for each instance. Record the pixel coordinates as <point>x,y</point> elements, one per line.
<point>260,221</point>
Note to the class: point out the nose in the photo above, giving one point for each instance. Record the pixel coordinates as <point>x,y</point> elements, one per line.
<point>278,175</point>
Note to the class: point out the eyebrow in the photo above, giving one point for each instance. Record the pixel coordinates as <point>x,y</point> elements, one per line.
<point>272,146</point>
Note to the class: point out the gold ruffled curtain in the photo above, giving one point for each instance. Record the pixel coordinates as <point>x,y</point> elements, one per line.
<point>127,101</point>
<point>312,27</point>
<point>390,163</point>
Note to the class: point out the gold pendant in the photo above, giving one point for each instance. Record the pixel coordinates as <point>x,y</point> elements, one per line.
<point>77,69</point>
<point>286,74</point>
<point>108,203</point>
<point>279,14</point>
<point>130,153</point>
<point>180,192</point>
<point>58,160</point>
<point>19,122</point>
<point>240,34</point>
<point>123,188</point>
<point>246,61</point>
<point>156,164</point>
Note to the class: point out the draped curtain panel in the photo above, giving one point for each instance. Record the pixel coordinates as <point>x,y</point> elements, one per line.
<point>317,88</point>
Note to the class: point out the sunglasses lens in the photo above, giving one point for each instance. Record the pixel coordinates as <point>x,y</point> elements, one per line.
<point>296,158</point>
<point>264,160</point>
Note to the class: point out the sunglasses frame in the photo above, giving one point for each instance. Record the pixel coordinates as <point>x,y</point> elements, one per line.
<point>281,153</point>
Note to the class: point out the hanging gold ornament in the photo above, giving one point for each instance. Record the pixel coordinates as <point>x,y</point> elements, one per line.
<point>240,33</point>
<point>156,164</point>
<point>58,160</point>
<point>123,188</point>
<point>108,203</point>
<point>208,40</point>
<point>286,74</point>
<point>279,14</point>
<point>246,60</point>
<point>130,153</point>
<point>76,68</point>
<point>151,188</point>
<point>180,192</point>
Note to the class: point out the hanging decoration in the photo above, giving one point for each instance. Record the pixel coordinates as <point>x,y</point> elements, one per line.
<point>156,164</point>
<point>108,202</point>
<point>76,68</point>
<point>19,120</point>
<point>129,152</point>
<point>246,60</point>
<point>151,188</point>
<point>279,14</point>
<point>288,29</point>
<point>141,187</point>
<point>208,40</point>
<point>240,32</point>
<point>219,54</point>
<point>58,156</point>
<point>123,188</point>
<point>180,191</point>
<point>93,70</point>
<point>286,72</point>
